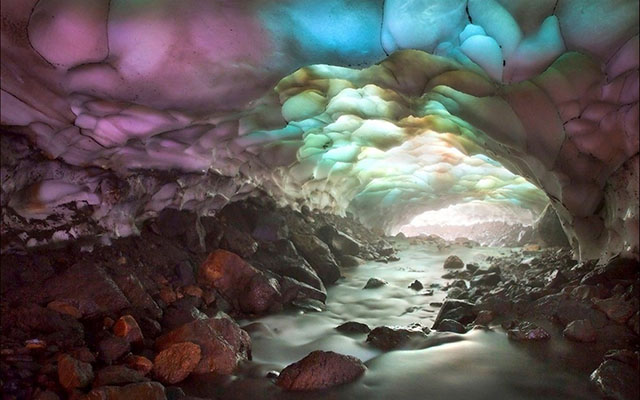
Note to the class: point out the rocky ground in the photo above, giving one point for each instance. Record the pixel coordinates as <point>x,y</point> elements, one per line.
<point>135,318</point>
<point>132,318</point>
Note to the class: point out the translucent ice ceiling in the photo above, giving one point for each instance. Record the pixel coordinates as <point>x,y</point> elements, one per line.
<point>383,108</point>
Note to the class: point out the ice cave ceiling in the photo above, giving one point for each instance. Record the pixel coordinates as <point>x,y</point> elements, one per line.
<point>384,108</point>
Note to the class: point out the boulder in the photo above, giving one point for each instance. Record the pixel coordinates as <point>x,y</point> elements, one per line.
<point>176,362</point>
<point>392,337</point>
<point>339,242</point>
<point>112,348</point>
<point>374,283</point>
<point>449,325</point>
<point>453,262</point>
<point>416,285</point>
<point>580,331</point>
<point>353,327</point>
<point>294,290</point>
<point>238,241</point>
<point>317,253</point>
<point>244,287</point>
<point>617,269</point>
<point>347,261</point>
<point>222,343</point>
<point>549,228</point>
<point>138,391</point>
<point>320,370</point>
<point>616,380</point>
<point>487,280</point>
<point>616,308</point>
<point>74,374</point>
<point>457,310</point>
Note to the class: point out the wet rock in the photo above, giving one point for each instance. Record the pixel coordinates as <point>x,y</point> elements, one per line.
<point>392,337</point>
<point>320,370</point>
<point>416,285</point>
<point>353,327</point>
<point>625,356</point>
<point>309,305</point>
<point>616,308</point>
<point>292,289</point>
<point>374,283</point>
<point>136,293</point>
<point>457,310</point>
<point>449,325</point>
<point>238,241</point>
<point>339,242</point>
<point>112,348</point>
<point>193,290</point>
<point>587,292</point>
<point>457,293</point>
<point>176,362</point>
<point>569,310</point>
<point>580,331</point>
<point>88,287</point>
<point>472,268</point>
<point>150,327</point>
<point>72,373</point>
<point>526,331</point>
<point>347,261</point>
<point>139,363</point>
<point>176,393</point>
<point>317,253</point>
<point>489,279</point>
<point>117,375</point>
<point>615,270</point>
<point>127,327</point>
<point>453,262</point>
<point>270,227</point>
<point>557,280</point>
<point>180,313</point>
<point>484,317</point>
<point>247,289</point>
<point>616,380</point>
<point>138,391</point>
<point>222,343</point>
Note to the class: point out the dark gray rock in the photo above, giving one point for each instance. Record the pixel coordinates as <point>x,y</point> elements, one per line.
<point>449,325</point>
<point>453,262</point>
<point>392,337</point>
<point>374,283</point>
<point>317,253</point>
<point>416,285</point>
<point>353,327</point>
<point>526,331</point>
<point>457,310</point>
<point>580,331</point>
<point>549,228</point>
<point>616,380</point>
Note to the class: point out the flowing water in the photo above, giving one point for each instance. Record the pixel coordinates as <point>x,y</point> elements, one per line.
<point>477,365</point>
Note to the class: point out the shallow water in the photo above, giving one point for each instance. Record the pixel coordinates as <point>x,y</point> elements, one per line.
<point>476,365</point>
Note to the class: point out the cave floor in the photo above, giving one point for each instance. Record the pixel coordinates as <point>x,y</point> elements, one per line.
<point>481,364</point>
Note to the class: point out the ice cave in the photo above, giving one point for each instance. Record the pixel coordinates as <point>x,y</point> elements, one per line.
<point>302,199</point>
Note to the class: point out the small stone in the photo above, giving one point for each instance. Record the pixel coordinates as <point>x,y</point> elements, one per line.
<point>374,283</point>
<point>488,279</point>
<point>137,391</point>
<point>320,370</point>
<point>472,268</point>
<point>64,307</point>
<point>353,327</point>
<point>416,285</point>
<point>72,373</point>
<point>35,344</point>
<point>167,295</point>
<point>107,323</point>
<point>580,331</point>
<point>193,290</point>
<point>175,363</point>
<point>127,327</point>
<point>453,262</point>
<point>528,331</point>
<point>139,363</point>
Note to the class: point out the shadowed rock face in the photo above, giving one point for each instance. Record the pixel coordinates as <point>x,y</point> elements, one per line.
<point>133,126</point>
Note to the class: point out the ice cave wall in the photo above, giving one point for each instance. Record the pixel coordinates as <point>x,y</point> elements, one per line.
<point>120,95</point>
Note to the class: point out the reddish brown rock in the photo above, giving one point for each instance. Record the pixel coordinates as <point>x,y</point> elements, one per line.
<point>137,391</point>
<point>127,327</point>
<point>64,307</point>
<point>320,370</point>
<point>176,362</point>
<point>244,287</point>
<point>139,363</point>
<point>222,343</point>
<point>193,290</point>
<point>117,375</point>
<point>616,309</point>
<point>167,295</point>
<point>72,373</point>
